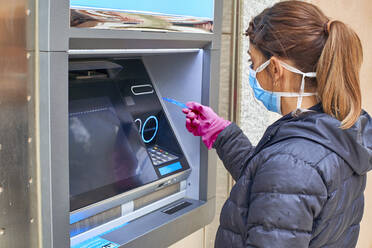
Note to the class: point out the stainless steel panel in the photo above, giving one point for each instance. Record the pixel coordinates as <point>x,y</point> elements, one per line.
<point>129,217</point>
<point>54,170</point>
<point>18,174</point>
<point>131,195</point>
<point>124,41</point>
<point>161,230</point>
<point>94,221</point>
<point>54,25</point>
<point>210,95</point>
<point>138,35</point>
<point>183,84</point>
<point>116,212</point>
<point>132,52</point>
<point>158,195</point>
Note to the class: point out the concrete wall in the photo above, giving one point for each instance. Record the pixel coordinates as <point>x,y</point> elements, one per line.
<point>358,15</point>
<point>254,117</point>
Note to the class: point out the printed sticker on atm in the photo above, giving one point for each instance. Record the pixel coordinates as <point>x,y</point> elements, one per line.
<point>96,242</point>
<point>111,245</point>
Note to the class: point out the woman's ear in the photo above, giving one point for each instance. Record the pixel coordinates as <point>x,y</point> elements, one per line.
<point>276,70</point>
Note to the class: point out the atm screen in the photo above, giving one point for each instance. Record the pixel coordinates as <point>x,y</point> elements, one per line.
<point>119,135</point>
<point>100,137</point>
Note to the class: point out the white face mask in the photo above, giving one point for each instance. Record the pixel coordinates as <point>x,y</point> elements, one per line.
<point>272,100</point>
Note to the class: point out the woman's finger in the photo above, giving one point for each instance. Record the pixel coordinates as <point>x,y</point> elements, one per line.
<point>189,126</point>
<point>194,106</point>
<point>191,115</point>
<point>195,122</point>
<point>186,111</point>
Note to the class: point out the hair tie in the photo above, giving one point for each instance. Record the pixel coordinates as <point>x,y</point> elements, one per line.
<point>327,27</point>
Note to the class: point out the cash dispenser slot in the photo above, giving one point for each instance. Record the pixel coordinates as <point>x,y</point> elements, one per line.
<point>83,70</point>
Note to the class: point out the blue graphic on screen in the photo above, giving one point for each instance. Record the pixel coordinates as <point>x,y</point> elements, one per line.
<point>154,130</point>
<point>195,8</point>
<point>170,168</point>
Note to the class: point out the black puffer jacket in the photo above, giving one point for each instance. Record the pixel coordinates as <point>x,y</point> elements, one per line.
<point>302,186</point>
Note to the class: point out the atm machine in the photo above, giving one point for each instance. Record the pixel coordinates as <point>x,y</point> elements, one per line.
<point>117,166</point>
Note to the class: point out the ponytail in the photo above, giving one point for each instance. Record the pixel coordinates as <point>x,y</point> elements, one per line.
<point>338,74</point>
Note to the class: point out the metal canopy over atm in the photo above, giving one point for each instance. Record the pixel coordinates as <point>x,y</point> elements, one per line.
<point>117,165</point>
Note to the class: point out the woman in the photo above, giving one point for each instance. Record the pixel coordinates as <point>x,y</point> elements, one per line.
<point>302,185</point>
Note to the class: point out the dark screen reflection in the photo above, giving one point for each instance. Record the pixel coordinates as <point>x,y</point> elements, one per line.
<point>106,156</point>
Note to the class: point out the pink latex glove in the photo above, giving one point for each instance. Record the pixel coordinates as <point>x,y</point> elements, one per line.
<point>203,121</point>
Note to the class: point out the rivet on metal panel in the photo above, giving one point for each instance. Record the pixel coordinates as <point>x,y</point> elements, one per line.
<point>28,55</point>
<point>28,12</point>
<point>30,180</point>
<point>10,203</point>
<point>29,140</point>
<point>28,98</point>
<point>32,221</point>
<point>2,231</point>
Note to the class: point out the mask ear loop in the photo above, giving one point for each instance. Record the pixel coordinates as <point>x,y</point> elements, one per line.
<point>263,66</point>
<point>302,88</point>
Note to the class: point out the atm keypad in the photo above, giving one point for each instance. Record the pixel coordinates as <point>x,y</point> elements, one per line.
<point>159,156</point>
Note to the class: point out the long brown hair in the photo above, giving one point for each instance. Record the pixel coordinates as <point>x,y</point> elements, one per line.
<point>298,31</point>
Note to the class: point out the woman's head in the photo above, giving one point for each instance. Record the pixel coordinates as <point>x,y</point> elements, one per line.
<point>297,33</point>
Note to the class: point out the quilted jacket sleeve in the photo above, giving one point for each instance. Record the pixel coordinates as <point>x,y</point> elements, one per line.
<point>287,195</point>
<point>233,148</point>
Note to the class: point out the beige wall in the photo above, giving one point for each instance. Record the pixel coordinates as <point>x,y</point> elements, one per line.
<point>358,14</point>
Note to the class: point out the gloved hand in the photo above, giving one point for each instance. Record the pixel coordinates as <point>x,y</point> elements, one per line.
<point>203,121</point>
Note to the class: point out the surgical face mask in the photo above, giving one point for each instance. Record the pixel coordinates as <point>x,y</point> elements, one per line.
<point>272,100</point>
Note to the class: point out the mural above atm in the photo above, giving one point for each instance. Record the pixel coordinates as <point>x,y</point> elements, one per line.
<point>195,16</point>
